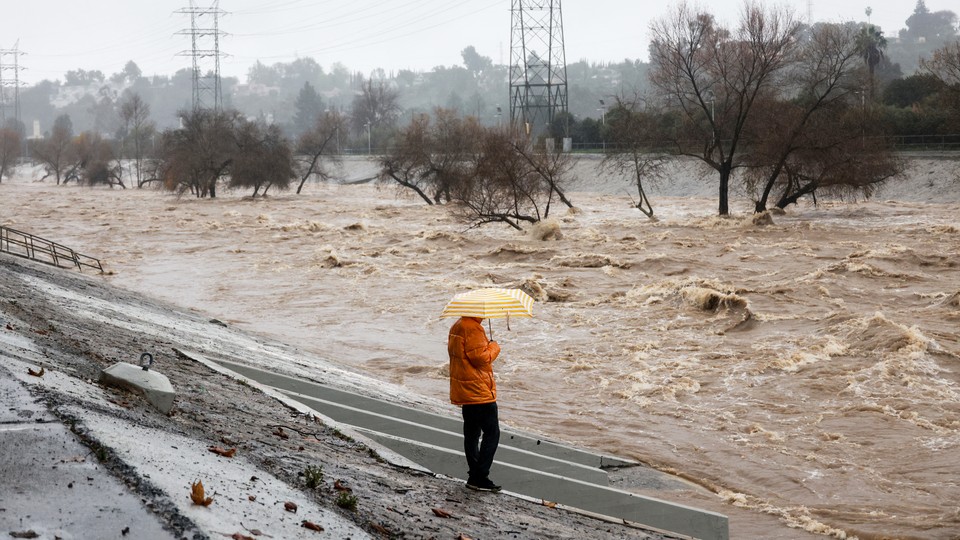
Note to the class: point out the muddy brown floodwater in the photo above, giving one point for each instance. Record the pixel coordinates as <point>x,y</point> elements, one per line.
<point>806,369</point>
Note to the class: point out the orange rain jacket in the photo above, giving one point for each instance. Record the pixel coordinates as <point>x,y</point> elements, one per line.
<point>471,363</point>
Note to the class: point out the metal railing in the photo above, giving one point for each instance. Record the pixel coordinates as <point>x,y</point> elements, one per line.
<point>39,249</point>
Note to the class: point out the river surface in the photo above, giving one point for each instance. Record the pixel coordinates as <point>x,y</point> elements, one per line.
<point>807,369</point>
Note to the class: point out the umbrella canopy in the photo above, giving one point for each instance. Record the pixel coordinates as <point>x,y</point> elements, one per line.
<point>490,303</point>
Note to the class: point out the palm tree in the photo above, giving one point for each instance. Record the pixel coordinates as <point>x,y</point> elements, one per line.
<point>871,43</point>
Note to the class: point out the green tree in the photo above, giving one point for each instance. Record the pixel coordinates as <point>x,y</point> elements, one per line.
<point>197,156</point>
<point>474,62</point>
<point>308,109</point>
<point>871,43</point>
<point>262,157</point>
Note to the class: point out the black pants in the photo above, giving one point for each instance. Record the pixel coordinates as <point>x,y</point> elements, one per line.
<point>477,420</point>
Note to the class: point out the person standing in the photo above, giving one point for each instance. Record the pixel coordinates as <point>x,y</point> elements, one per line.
<point>474,389</point>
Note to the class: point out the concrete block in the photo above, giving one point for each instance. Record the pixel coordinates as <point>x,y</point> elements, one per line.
<point>155,387</point>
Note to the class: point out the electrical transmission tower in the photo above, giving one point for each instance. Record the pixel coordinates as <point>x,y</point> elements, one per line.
<point>538,64</point>
<point>205,52</point>
<point>10,87</point>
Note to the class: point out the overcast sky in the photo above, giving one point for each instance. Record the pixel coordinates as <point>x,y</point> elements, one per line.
<point>60,35</point>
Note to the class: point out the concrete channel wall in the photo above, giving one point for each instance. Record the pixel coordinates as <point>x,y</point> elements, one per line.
<point>527,465</point>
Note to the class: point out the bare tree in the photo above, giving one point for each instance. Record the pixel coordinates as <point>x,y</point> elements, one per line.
<point>551,167</point>
<point>138,130</point>
<point>97,160</point>
<point>55,151</point>
<point>375,106</point>
<point>491,175</point>
<point>635,154</point>
<point>407,161</point>
<point>817,113</point>
<point>10,142</point>
<point>505,188</point>
<point>945,64</point>
<point>712,77</point>
<point>320,145</point>
<point>431,156</point>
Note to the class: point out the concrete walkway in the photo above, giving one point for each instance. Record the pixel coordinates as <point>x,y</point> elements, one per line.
<point>525,465</point>
<point>42,461</point>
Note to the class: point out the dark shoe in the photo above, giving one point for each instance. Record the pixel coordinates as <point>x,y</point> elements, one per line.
<point>483,485</point>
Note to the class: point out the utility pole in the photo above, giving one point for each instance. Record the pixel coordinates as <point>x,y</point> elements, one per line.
<point>538,65</point>
<point>10,99</point>
<point>205,44</point>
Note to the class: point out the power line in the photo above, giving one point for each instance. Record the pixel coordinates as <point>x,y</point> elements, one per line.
<point>538,64</point>
<point>206,86</point>
<point>7,101</point>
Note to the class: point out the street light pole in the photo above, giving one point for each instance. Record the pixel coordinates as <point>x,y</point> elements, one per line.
<point>603,122</point>
<point>369,151</point>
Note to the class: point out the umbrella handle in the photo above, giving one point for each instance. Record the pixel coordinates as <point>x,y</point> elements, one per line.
<point>508,320</point>
<point>490,327</point>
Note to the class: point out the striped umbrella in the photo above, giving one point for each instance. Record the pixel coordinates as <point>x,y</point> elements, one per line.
<point>490,303</point>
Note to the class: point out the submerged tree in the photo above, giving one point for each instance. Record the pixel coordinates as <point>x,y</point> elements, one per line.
<point>432,155</point>
<point>263,158</point>
<point>196,157</point>
<point>138,131</point>
<point>712,77</point>
<point>513,181</point>
<point>491,175</point>
<point>55,152</point>
<point>97,162</point>
<point>10,143</point>
<point>318,146</point>
<point>817,125</point>
<point>635,154</point>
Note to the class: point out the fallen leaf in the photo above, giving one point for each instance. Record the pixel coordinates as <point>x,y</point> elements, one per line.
<point>312,526</point>
<point>252,498</point>
<point>223,451</point>
<point>125,531</point>
<point>549,504</point>
<point>24,534</point>
<point>197,495</point>
<point>463,537</point>
<point>381,529</point>
<point>238,536</point>
<point>9,327</point>
<point>441,513</point>
<point>290,507</point>
<point>337,485</point>
<point>36,373</point>
<point>279,432</point>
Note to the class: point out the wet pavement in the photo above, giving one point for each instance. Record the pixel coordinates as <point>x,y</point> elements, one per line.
<point>52,485</point>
